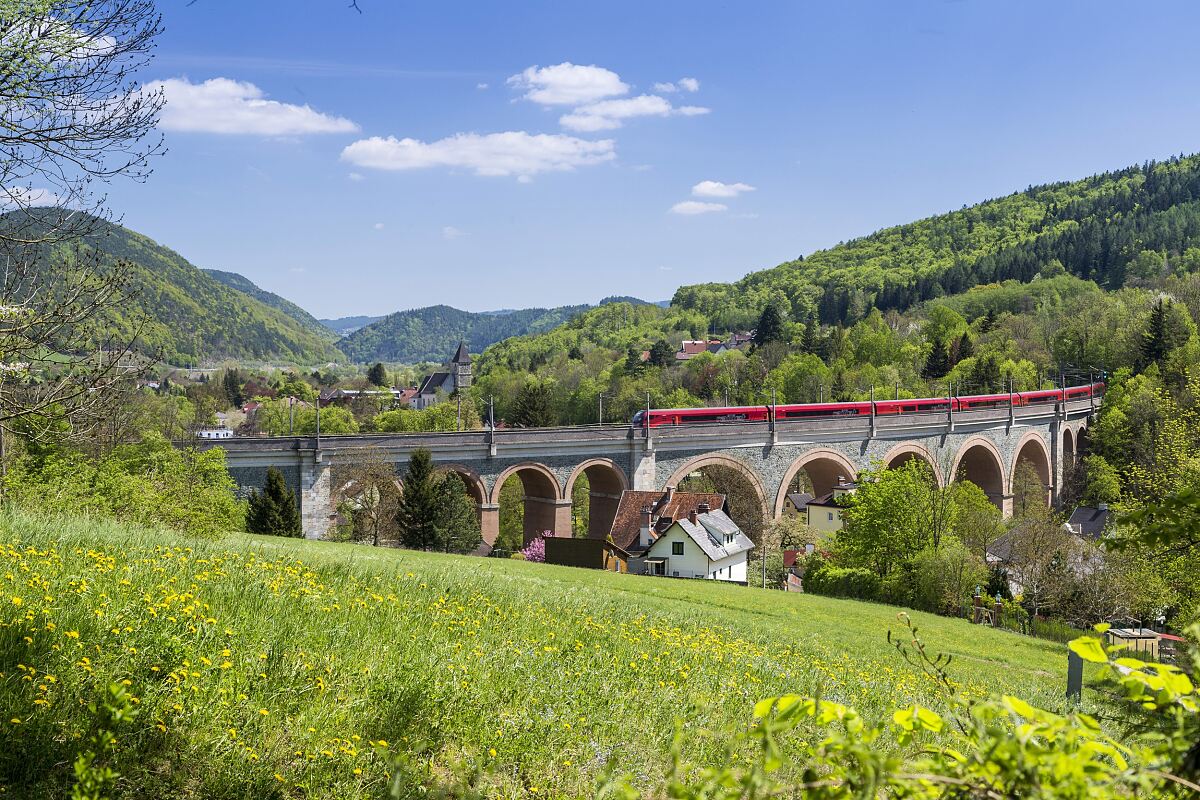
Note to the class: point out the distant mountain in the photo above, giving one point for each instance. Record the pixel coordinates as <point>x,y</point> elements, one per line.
<point>431,334</point>
<point>187,315</point>
<point>246,286</point>
<point>344,326</point>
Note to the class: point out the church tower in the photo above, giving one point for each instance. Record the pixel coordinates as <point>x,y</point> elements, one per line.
<point>460,367</point>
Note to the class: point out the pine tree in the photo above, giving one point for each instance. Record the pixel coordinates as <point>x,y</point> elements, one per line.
<point>812,342</point>
<point>231,382</point>
<point>662,354</point>
<point>770,326</point>
<point>377,375</point>
<point>1156,339</point>
<point>417,512</point>
<point>839,392</point>
<point>938,363</point>
<point>533,408</point>
<point>965,348</point>
<point>633,362</point>
<point>273,511</point>
<point>457,521</point>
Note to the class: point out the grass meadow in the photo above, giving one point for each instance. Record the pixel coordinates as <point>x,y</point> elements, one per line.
<point>270,668</point>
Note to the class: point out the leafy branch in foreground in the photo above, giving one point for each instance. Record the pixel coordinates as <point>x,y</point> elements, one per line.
<point>997,748</point>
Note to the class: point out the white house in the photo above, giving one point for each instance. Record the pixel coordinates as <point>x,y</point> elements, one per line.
<point>704,544</point>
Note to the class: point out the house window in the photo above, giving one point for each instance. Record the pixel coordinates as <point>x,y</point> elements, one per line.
<point>676,548</point>
<point>831,516</point>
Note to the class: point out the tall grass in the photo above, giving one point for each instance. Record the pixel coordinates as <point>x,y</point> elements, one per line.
<point>280,668</point>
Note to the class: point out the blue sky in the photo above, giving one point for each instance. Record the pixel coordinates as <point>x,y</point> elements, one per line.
<point>510,155</point>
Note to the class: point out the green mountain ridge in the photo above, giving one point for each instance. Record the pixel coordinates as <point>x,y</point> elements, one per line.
<point>246,286</point>
<point>433,332</point>
<point>344,326</point>
<point>1094,227</point>
<point>177,311</point>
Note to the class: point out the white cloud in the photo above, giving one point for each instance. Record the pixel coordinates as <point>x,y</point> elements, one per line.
<point>450,233</point>
<point>718,189</point>
<point>568,84</point>
<point>508,153</point>
<point>226,106</point>
<point>355,176</point>
<point>642,167</point>
<point>664,269</point>
<point>607,114</point>
<point>693,207</point>
<point>692,111</point>
<point>524,179</point>
<point>26,197</point>
<point>683,84</point>
<point>481,86</point>
<point>379,226</point>
<point>297,270</point>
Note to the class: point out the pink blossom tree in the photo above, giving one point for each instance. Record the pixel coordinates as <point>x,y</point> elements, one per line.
<point>536,549</point>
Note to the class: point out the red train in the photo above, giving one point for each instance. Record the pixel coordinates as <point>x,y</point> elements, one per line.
<point>926,405</point>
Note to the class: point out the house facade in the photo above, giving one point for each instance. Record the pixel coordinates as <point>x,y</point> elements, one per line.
<point>824,513</point>
<point>704,544</point>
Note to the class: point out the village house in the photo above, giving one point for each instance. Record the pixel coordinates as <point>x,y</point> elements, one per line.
<point>440,385</point>
<point>824,513</point>
<point>704,544</point>
<point>692,348</point>
<point>678,534</point>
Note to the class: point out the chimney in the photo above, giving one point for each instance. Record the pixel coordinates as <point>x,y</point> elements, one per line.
<point>692,516</point>
<point>644,533</point>
<point>703,508</point>
<point>670,495</point>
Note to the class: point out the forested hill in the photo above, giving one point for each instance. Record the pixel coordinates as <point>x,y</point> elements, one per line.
<point>185,314</point>
<point>246,286</point>
<point>1096,228</point>
<point>344,326</point>
<point>432,333</point>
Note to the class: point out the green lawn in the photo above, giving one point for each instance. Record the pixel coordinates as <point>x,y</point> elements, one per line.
<point>275,668</point>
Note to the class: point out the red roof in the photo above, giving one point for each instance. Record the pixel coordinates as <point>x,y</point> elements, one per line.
<point>628,520</point>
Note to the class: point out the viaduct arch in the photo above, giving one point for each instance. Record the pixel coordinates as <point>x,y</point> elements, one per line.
<point>984,446</point>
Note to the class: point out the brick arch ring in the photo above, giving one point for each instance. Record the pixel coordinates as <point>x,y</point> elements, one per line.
<point>596,462</point>
<point>988,445</point>
<point>921,452</point>
<point>716,459</point>
<point>475,484</point>
<point>533,466</point>
<point>812,455</point>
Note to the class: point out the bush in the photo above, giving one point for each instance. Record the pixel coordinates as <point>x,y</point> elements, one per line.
<point>854,582</point>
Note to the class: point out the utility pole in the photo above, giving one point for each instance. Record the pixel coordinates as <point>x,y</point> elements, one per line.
<point>764,557</point>
<point>458,412</point>
<point>291,415</point>
<point>600,415</point>
<point>318,423</point>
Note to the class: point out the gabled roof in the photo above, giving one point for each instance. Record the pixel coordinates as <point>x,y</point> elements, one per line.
<point>628,520</point>
<point>432,383</point>
<point>800,499</point>
<point>709,532</point>
<point>1089,521</point>
<point>461,356</point>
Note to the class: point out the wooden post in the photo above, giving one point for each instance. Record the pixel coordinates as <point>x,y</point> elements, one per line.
<point>1074,676</point>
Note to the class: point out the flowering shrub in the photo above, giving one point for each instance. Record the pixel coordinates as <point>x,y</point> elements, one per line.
<point>536,549</point>
<point>1000,747</point>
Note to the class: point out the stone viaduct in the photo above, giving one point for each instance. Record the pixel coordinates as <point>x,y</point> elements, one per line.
<point>983,446</point>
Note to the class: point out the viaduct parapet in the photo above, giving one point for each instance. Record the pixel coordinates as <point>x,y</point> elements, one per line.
<point>983,446</point>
